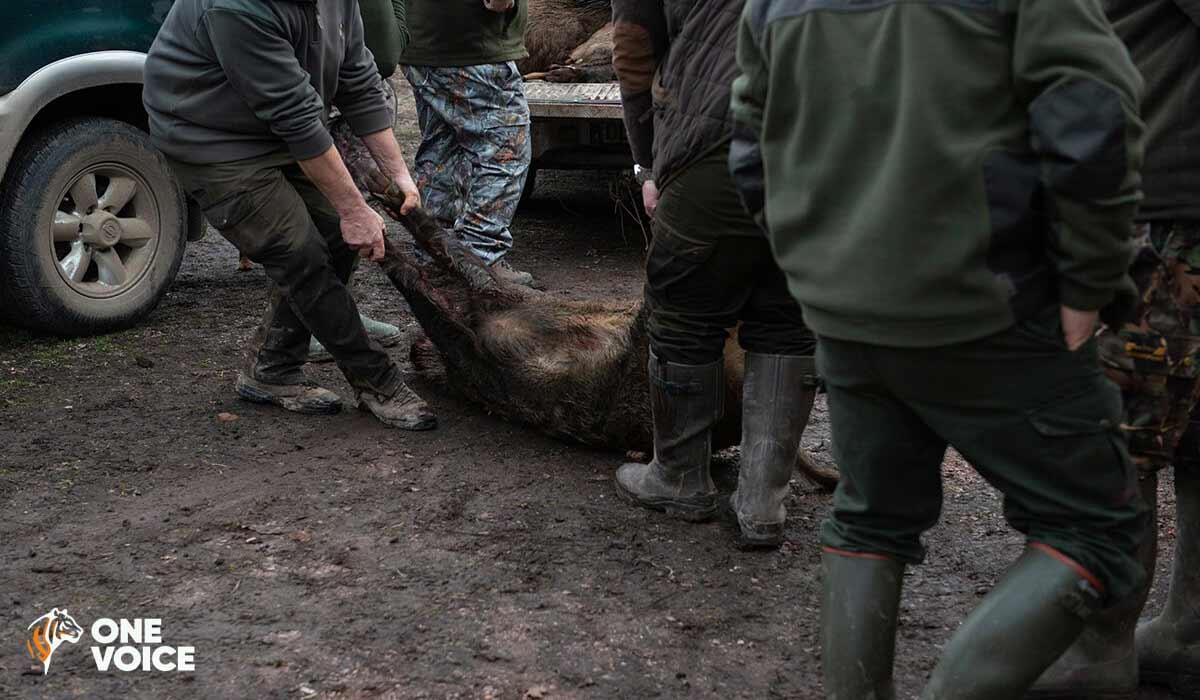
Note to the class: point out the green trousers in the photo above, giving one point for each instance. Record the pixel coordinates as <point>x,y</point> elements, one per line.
<point>274,215</point>
<point>1039,422</point>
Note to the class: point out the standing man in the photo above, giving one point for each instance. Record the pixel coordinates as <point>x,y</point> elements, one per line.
<point>475,148</point>
<point>1155,359</point>
<point>950,187</point>
<point>708,268</point>
<point>238,92</point>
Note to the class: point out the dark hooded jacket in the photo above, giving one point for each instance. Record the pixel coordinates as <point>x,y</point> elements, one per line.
<point>1163,37</point>
<point>675,61</point>
<point>233,79</point>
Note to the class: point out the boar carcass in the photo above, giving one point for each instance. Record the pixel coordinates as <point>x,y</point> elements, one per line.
<point>590,62</point>
<point>570,39</point>
<point>573,369</point>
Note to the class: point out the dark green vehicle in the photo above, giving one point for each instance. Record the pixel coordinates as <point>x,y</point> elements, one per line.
<point>92,223</point>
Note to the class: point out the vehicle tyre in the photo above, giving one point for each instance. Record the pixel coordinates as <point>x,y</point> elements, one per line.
<point>92,228</point>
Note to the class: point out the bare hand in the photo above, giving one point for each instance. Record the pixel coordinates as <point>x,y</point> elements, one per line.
<point>408,188</point>
<point>1078,326</point>
<point>362,230</point>
<point>649,197</point>
<point>498,5</point>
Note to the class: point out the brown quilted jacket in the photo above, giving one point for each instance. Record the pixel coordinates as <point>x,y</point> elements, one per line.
<point>676,61</point>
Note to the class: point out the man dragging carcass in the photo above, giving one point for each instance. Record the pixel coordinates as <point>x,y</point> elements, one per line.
<point>708,268</point>
<point>238,92</point>
<point>950,188</point>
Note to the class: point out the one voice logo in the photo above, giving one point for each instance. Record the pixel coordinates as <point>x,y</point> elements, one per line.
<point>124,644</point>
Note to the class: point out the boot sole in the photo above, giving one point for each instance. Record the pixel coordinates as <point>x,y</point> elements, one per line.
<point>748,543</point>
<point>254,395</point>
<point>689,512</point>
<point>416,425</point>
<point>389,341</point>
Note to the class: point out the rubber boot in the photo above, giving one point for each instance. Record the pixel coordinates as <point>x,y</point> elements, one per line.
<point>1026,622</point>
<point>385,334</point>
<point>859,608</point>
<point>1102,663</point>
<point>1168,647</point>
<point>686,401</point>
<point>777,399</point>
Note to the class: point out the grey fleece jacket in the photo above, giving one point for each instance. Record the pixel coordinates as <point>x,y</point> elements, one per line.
<point>233,79</point>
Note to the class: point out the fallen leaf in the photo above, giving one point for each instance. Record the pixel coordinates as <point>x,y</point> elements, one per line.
<point>225,417</point>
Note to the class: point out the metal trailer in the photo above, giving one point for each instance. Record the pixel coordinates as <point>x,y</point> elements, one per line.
<point>576,126</point>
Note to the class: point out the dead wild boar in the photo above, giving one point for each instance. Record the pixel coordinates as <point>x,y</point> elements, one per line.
<point>590,62</point>
<point>557,27</point>
<point>573,369</point>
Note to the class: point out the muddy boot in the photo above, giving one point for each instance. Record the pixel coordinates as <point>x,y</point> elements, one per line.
<point>686,401</point>
<point>859,607</point>
<point>404,409</point>
<point>385,334</point>
<point>506,274</point>
<point>778,396</point>
<point>1168,647</point>
<point>1026,622</point>
<point>1102,663</point>
<point>300,397</point>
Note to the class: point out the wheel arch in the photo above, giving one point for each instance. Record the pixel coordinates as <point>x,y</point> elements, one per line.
<point>98,84</point>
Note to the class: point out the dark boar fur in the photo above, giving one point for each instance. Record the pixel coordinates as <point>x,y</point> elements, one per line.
<point>572,369</point>
<point>590,62</point>
<point>558,27</point>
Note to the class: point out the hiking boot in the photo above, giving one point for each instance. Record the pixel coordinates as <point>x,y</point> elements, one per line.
<point>1168,647</point>
<point>302,397</point>
<point>506,274</point>
<point>404,409</point>
<point>1102,663</point>
<point>778,397</point>
<point>385,334</point>
<point>686,401</point>
<point>1026,622</point>
<point>859,607</point>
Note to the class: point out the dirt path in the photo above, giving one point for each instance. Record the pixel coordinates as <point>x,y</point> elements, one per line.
<point>331,557</point>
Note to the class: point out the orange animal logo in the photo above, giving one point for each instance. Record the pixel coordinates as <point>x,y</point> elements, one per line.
<point>48,632</point>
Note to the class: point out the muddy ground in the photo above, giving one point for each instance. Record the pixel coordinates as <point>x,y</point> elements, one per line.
<point>331,557</point>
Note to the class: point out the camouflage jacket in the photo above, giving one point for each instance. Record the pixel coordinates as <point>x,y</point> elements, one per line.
<point>675,61</point>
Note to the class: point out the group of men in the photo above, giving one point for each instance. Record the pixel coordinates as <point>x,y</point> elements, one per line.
<point>942,191</point>
<point>949,188</point>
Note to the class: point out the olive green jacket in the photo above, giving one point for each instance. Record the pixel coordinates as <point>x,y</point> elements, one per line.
<point>933,171</point>
<point>385,28</point>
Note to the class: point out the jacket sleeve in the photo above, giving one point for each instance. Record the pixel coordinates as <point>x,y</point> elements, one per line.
<point>749,98</point>
<point>639,43</point>
<point>261,66</point>
<point>360,96</point>
<point>1083,94</point>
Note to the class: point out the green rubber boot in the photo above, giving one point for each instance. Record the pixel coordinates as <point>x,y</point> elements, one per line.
<point>686,401</point>
<point>1102,663</point>
<point>385,334</point>
<point>1027,621</point>
<point>1168,647</point>
<point>777,400</point>
<point>859,608</point>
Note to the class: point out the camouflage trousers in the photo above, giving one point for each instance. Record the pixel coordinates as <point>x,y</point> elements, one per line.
<point>1155,358</point>
<point>354,152</point>
<point>475,150</point>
